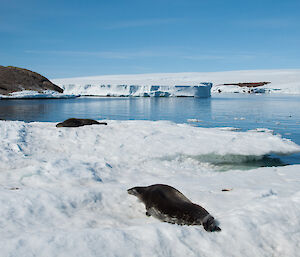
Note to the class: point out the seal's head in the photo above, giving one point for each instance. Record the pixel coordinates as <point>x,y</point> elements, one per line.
<point>136,191</point>
<point>59,125</point>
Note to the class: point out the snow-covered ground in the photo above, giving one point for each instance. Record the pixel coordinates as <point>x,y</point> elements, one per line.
<point>63,190</point>
<point>282,81</point>
<point>34,95</point>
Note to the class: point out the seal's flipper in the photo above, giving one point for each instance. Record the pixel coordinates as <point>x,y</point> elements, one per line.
<point>217,229</point>
<point>210,224</point>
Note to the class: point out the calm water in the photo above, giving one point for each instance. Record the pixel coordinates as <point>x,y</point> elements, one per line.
<point>279,113</point>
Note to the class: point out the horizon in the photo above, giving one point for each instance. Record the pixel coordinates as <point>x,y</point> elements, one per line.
<point>78,39</point>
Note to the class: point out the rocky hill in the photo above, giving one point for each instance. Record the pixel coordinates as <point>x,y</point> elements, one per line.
<point>14,79</point>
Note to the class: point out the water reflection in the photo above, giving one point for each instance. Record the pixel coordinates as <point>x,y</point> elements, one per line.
<point>175,109</point>
<point>278,113</point>
<point>25,110</point>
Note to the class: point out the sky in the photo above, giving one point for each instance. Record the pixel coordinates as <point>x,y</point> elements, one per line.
<point>74,38</point>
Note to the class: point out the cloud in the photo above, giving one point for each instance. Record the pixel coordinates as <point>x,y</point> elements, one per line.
<point>140,23</point>
<point>102,54</point>
<point>148,54</point>
<point>275,23</point>
<point>203,57</point>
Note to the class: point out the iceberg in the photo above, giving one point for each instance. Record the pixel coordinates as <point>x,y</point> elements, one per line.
<point>124,90</point>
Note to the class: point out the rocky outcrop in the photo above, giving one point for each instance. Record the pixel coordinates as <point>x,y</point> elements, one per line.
<point>248,84</point>
<point>14,79</point>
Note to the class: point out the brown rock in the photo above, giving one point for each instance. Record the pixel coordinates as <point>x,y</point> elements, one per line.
<point>14,79</point>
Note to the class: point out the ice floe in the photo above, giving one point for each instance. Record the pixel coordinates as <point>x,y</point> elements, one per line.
<point>63,190</point>
<point>30,94</point>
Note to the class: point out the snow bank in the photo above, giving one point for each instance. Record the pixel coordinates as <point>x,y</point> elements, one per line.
<point>282,81</point>
<point>30,94</point>
<point>63,191</point>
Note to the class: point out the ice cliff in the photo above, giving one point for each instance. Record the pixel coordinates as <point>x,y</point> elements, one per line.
<point>282,81</point>
<point>200,90</point>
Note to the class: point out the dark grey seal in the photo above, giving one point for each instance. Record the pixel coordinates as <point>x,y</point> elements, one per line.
<point>169,205</point>
<point>78,123</point>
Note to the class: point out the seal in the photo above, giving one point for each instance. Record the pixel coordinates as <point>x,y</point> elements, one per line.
<point>78,123</point>
<point>169,205</point>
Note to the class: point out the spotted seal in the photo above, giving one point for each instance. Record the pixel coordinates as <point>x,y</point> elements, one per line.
<point>78,123</point>
<point>169,205</point>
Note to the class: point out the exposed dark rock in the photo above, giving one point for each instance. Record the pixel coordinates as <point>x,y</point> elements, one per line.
<point>226,189</point>
<point>13,79</point>
<point>73,122</point>
<point>248,84</point>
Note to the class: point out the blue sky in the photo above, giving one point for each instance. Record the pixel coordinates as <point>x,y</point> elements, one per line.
<point>82,38</point>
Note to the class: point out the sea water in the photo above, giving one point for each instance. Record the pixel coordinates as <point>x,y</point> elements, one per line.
<point>279,113</point>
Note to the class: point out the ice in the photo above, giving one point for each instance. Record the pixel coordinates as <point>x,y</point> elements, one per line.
<point>34,94</point>
<point>194,120</point>
<point>95,89</point>
<point>265,130</point>
<point>63,190</point>
<point>282,81</point>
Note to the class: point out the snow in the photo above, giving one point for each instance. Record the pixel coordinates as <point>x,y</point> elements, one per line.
<point>34,95</point>
<point>63,190</point>
<point>282,81</point>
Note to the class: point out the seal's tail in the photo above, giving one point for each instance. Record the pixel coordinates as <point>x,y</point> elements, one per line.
<point>211,224</point>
